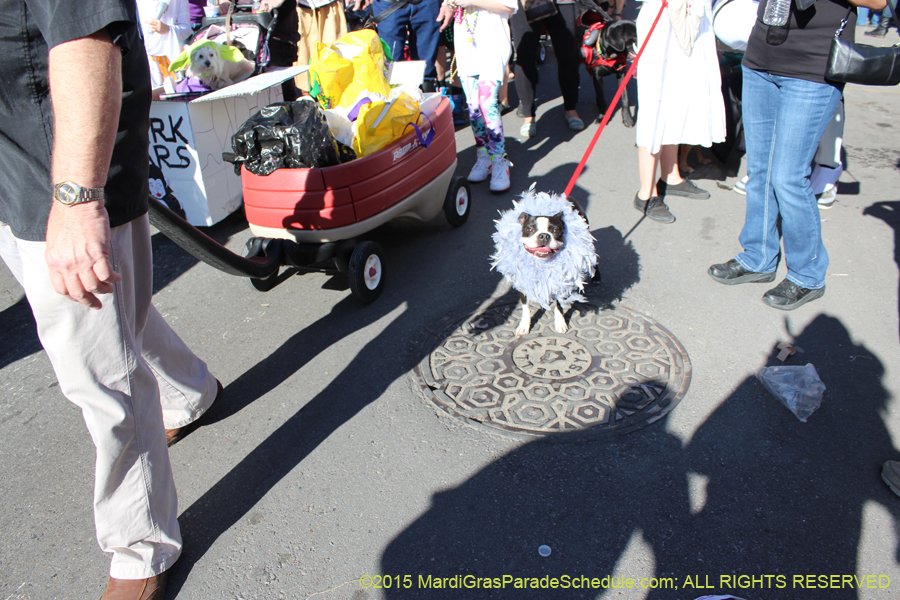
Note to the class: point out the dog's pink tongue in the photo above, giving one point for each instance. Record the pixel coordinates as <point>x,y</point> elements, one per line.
<point>543,249</point>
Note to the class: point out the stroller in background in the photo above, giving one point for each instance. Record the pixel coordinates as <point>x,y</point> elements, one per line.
<point>242,28</point>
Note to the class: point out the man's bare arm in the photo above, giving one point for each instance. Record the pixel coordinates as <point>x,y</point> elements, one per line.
<point>86,91</point>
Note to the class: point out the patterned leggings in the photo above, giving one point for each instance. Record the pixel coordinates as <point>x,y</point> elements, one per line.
<point>484,113</point>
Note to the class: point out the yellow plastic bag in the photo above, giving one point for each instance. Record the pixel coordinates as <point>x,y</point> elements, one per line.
<point>329,75</point>
<point>380,123</point>
<point>353,64</point>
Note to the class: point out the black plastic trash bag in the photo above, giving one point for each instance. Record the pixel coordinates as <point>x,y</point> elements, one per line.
<point>286,135</point>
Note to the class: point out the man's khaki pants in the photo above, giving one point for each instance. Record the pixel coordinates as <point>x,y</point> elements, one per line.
<point>132,377</point>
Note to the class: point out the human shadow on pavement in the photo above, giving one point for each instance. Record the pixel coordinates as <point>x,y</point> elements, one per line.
<point>431,272</point>
<point>18,332</point>
<point>889,212</point>
<point>754,492</point>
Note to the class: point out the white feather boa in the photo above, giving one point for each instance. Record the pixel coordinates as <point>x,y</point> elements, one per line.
<point>560,277</point>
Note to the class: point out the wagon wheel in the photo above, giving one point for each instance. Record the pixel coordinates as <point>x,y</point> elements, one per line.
<point>257,247</point>
<point>542,52</point>
<point>366,271</point>
<point>457,203</point>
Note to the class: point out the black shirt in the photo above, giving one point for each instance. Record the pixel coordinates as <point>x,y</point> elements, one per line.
<point>804,54</point>
<point>28,29</point>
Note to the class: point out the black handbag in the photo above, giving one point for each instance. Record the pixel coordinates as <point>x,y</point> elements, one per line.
<point>539,9</point>
<point>862,64</point>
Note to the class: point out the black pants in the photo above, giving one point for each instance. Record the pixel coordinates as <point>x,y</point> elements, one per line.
<point>560,27</point>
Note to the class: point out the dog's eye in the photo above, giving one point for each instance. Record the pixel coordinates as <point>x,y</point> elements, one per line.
<point>554,229</point>
<point>529,231</point>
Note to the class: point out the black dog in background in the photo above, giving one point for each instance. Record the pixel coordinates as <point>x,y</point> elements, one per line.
<point>606,46</point>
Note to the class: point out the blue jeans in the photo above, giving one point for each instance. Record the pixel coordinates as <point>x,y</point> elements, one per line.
<point>418,23</point>
<point>784,119</point>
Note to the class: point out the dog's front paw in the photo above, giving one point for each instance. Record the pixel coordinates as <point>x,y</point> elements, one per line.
<point>522,330</point>
<point>559,322</point>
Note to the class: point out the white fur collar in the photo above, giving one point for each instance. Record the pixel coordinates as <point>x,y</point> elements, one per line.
<point>560,277</point>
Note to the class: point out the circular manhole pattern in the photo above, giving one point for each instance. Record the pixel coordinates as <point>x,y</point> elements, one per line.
<point>615,370</point>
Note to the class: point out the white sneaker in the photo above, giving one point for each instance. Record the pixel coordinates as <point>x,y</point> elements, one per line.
<point>481,167</point>
<point>826,199</point>
<point>499,173</point>
<point>740,186</point>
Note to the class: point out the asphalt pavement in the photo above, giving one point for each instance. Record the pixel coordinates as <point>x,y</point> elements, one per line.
<point>326,475</point>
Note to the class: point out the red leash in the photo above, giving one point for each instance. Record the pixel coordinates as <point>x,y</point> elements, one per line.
<point>614,103</point>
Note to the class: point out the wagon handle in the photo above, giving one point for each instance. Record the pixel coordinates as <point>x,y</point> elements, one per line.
<point>206,249</point>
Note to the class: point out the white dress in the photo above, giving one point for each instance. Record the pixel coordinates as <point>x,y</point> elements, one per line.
<point>175,14</point>
<point>679,96</point>
<point>488,55</point>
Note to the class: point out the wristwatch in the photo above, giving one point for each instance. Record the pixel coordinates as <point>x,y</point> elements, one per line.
<point>70,194</point>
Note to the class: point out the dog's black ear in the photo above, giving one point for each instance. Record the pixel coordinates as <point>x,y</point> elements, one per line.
<point>523,217</point>
<point>558,215</point>
<point>616,38</point>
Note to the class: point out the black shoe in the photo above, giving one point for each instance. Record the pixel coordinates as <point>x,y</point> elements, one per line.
<point>686,188</point>
<point>880,31</point>
<point>732,273</point>
<point>654,208</point>
<point>787,295</point>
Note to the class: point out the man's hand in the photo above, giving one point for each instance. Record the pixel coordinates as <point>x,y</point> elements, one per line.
<point>77,252</point>
<point>157,26</point>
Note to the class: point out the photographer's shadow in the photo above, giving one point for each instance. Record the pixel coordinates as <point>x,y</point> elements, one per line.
<point>755,491</point>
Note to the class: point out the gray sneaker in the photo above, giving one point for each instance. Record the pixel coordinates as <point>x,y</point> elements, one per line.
<point>654,208</point>
<point>890,473</point>
<point>686,188</point>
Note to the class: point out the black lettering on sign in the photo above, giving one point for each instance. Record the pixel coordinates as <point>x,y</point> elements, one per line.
<point>163,155</point>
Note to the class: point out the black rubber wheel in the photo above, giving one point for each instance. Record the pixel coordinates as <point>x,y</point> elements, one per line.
<point>458,202</point>
<point>256,247</point>
<point>264,285</point>
<point>366,271</point>
<point>542,53</point>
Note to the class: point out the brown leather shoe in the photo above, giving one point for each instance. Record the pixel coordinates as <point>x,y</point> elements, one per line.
<point>152,588</point>
<point>173,436</point>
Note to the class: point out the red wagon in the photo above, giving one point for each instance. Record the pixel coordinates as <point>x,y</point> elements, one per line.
<point>312,219</point>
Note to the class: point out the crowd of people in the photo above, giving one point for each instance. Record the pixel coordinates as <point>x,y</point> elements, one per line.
<point>73,216</point>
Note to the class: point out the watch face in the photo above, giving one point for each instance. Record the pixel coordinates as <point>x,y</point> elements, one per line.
<point>68,193</point>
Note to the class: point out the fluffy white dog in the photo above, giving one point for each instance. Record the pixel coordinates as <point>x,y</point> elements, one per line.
<point>215,65</point>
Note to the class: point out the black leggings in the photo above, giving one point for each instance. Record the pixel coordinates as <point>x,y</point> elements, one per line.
<point>560,27</point>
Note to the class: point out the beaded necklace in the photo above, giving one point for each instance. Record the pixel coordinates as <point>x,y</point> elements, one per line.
<point>463,15</point>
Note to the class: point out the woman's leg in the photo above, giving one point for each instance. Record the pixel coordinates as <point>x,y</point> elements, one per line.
<point>490,110</point>
<point>476,118</point>
<point>647,164</point>
<point>561,28</point>
<point>668,164</point>
<point>527,42</point>
<point>759,237</point>
<point>803,114</point>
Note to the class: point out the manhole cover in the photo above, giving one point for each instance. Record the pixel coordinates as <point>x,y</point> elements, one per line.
<point>614,370</point>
